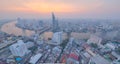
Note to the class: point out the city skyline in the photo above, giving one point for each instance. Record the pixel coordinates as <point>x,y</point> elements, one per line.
<point>30,39</point>
<point>59,32</point>
<point>94,9</point>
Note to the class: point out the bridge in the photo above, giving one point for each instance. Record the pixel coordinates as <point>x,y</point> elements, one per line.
<point>42,30</point>
<point>7,44</point>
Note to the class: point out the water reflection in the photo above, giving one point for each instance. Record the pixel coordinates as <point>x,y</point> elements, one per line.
<point>10,28</point>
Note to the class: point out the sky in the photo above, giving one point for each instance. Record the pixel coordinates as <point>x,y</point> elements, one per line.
<point>94,9</point>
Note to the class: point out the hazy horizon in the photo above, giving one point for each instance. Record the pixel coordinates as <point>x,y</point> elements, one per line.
<point>91,9</point>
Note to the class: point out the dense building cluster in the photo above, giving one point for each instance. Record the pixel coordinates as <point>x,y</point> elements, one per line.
<point>70,42</point>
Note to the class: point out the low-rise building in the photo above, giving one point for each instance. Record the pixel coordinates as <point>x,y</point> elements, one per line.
<point>98,60</point>
<point>94,39</point>
<point>35,58</point>
<point>111,46</point>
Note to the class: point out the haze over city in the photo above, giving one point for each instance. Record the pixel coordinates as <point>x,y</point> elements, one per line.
<point>59,31</point>
<point>91,9</point>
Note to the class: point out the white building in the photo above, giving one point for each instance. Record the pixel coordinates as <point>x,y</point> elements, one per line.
<point>19,48</point>
<point>35,58</point>
<point>111,46</point>
<point>29,44</point>
<point>57,38</point>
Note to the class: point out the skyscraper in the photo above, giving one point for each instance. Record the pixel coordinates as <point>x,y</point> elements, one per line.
<point>55,23</point>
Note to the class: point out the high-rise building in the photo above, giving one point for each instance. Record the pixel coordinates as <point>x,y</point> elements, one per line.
<point>19,48</point>
<point>57,38</point>
<point>55,23</point>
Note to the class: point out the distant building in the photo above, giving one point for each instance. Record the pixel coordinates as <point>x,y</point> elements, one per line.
<point>80,35</point>
<point>31,24</point>
<point>41,23</point>
<point>111,35</point>
<point>57,38</point>
<point>94,39</point>
<point>19,48</point>
<point>55,23</point>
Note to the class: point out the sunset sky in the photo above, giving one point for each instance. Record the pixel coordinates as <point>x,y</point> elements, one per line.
<point>62,8</point>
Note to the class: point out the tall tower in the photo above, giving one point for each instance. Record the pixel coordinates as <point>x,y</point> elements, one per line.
<point>55,23</point>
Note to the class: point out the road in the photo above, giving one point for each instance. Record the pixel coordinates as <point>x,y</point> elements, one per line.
<point>7,44</point>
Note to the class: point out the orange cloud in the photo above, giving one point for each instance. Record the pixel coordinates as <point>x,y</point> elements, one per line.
<point>45,7</point>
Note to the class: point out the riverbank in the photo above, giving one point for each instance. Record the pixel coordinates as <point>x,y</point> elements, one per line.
<point>2,22</point>
<point>11,28</point>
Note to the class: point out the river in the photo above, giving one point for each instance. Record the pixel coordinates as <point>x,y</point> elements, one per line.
<point>11,28</point>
